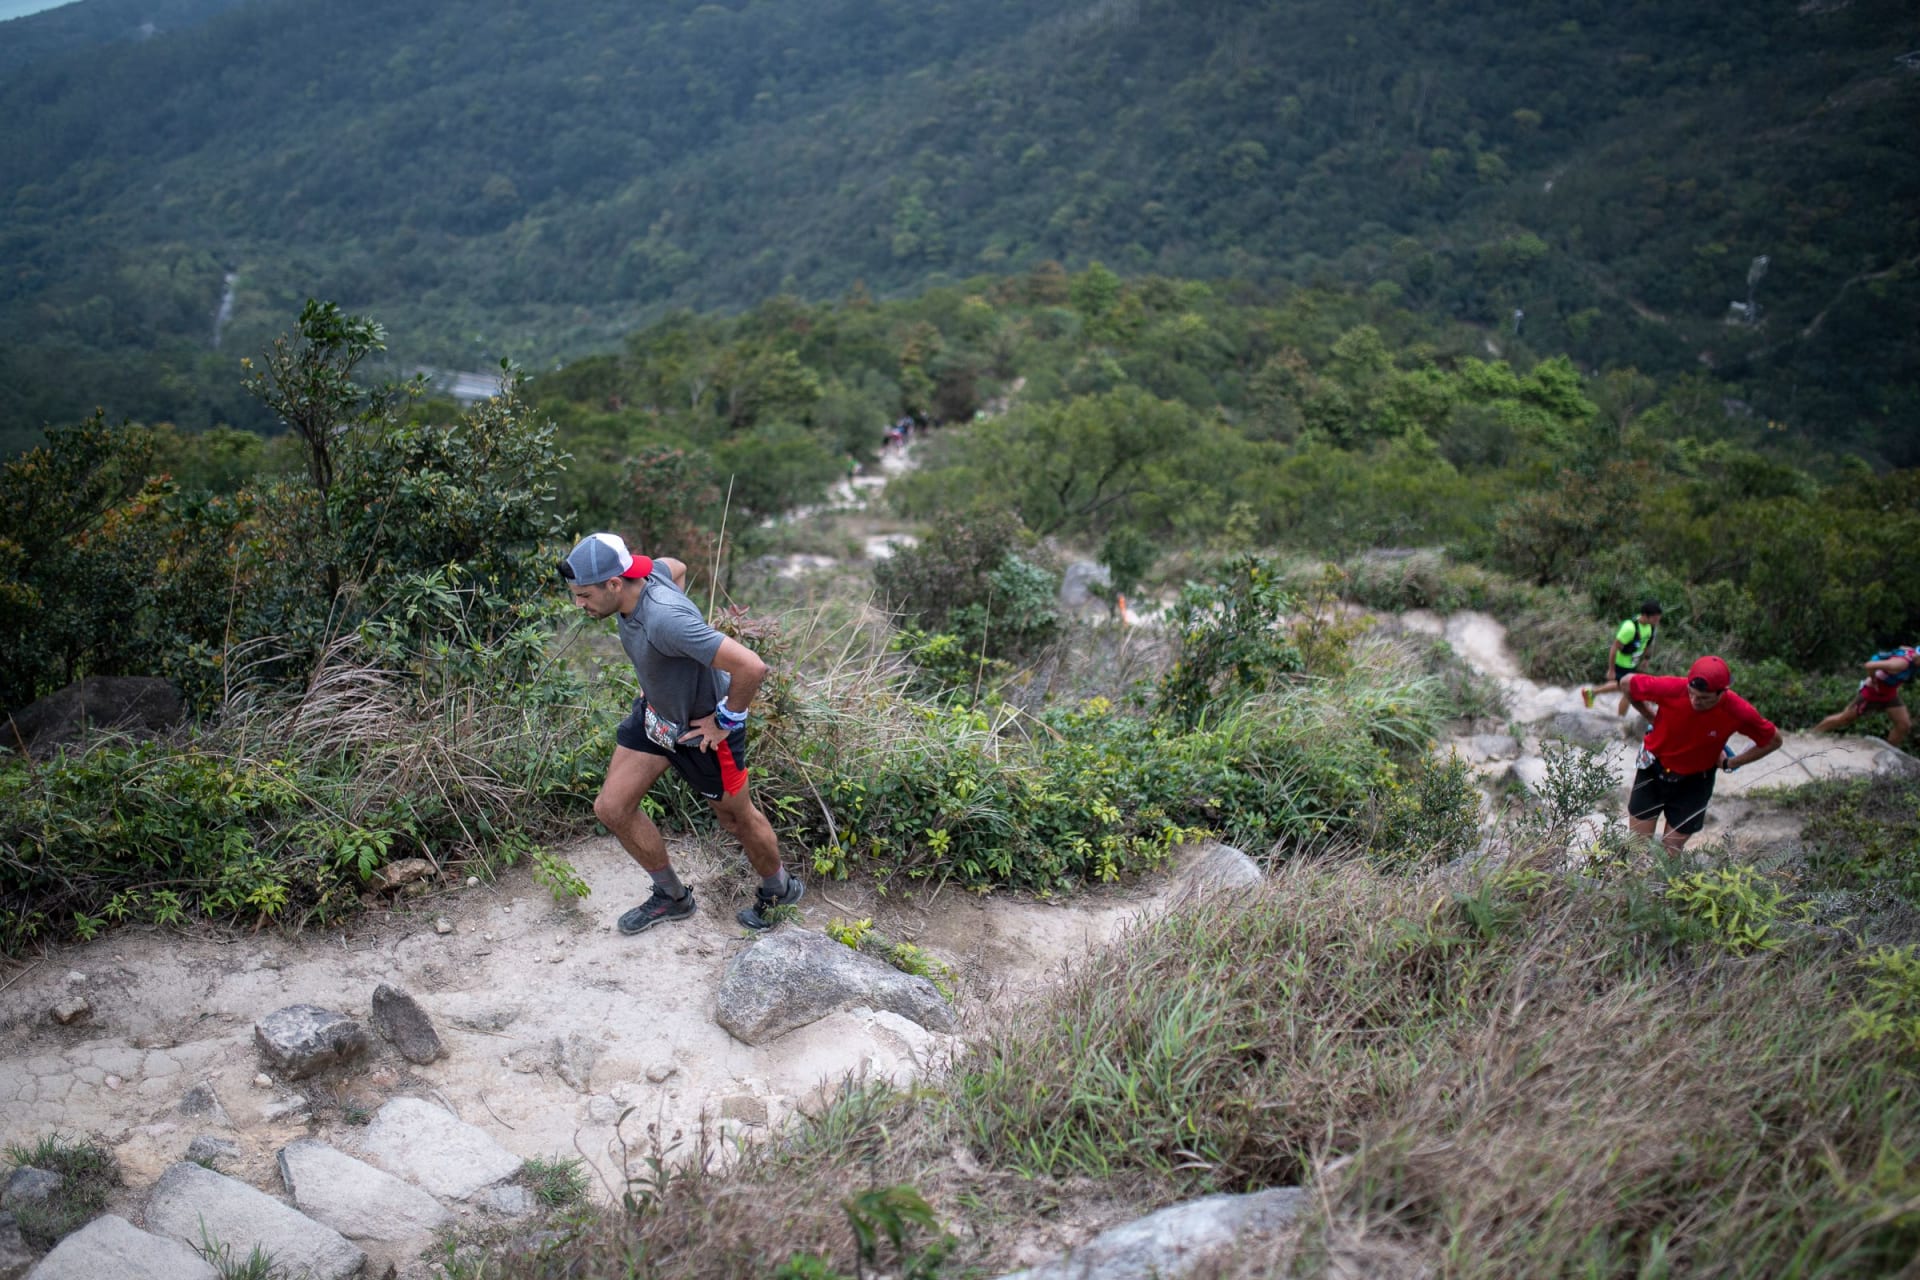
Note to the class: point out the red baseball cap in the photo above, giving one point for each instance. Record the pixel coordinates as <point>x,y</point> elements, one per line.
<point>1712,671</point>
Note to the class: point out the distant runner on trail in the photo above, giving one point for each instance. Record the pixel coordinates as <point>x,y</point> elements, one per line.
<point>1688,746</point>
<point>1631,640</point>
<point>695,688</point>
<point>1887,671</point>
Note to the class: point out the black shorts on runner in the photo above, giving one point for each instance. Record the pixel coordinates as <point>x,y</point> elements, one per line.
<point>1681,798</point>
<point>1616,673</point>
<point>715,774</point>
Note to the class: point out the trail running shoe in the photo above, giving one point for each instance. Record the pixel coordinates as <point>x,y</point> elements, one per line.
<point>754,917</point>
<point>1586,698</point>
<point>655,909</point>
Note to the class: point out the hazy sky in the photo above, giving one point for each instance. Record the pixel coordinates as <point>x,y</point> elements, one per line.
<point>21,8</point>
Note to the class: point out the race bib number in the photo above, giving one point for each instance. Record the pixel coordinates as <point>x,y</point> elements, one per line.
<point>661,731</point>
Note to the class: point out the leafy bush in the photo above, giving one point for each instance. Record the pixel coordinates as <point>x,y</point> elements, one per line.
<point>1232,640</point>
<point>1431,821</point>
<point>1733,907</point>
<point>287,808</point>
<point>968,579</point>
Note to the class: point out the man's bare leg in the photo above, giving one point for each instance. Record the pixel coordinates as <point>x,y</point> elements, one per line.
<point>629,777</point>
<point>1673,841</point>
<point>739,818</point>
<point>1840,719</point>
<point>1902,725</point>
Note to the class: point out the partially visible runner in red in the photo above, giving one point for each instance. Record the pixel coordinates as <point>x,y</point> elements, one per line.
<point>1880,691</point>
<point>1698,712</point>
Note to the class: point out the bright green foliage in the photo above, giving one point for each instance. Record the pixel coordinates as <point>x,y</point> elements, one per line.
<point>1890,1010</point>
<point>1232,643</point>
<point>1734,907</point>
<point>904,956</point>
<point>1091,793</point>
<point>897,1215</point>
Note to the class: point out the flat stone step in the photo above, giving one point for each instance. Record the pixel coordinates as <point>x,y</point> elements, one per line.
<point>193,1205</point>
<point>112,1246</point>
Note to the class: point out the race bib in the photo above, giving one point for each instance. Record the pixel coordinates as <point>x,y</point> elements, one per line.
<point>661,731</point>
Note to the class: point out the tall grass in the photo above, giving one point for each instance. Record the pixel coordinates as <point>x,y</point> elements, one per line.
<point>1508,1072</point>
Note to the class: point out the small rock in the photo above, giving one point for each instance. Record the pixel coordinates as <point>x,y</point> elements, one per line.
<point>70,1010</point>
<point>399,1019</point>
<point>745,1108</point>
<point>402,871</point>
<point>302,1039</point>
<point>201,1100</point>
<point>114,1082</point>
<point>557,957</point>
<point>29,1185</point>
<point>508,1200</point>
<point>15,1257</point>
<point>209,1150</point>
<point>660,1072</point>
<point>442,925</point>
<point>263,1081</point>
<point>574,1058</point>
<point>289,1108</point>
<point>75,978</point>
<point>472,881</point>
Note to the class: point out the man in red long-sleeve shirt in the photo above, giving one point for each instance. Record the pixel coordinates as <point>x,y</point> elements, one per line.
<point>1688,745</point>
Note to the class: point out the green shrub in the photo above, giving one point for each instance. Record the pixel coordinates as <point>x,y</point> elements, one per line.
<point>1431,821</point>
<point>968,579</point>
<point>1798,699</point>
<point>1232,640</point>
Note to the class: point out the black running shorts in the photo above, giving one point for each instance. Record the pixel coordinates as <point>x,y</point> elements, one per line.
<point>1679,797</point>
<point>715,774</point>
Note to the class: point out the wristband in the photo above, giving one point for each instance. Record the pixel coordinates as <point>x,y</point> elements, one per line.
<point>727,718</point>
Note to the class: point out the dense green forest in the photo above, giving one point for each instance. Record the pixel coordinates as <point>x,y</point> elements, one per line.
<point>1179,416</point>
<point>493,178</point>
<point>72,27</point>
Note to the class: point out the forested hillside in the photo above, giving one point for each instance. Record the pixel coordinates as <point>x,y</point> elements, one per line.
<point>72,27</point>
<point>492,177</point>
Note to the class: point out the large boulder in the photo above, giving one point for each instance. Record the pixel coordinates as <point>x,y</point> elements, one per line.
<point>792,977</point>
<point>1587,728</point>
<point>1210,868</point>
<point>302,1039</point>
<point>143,706</point>
<point>1198,1237</point>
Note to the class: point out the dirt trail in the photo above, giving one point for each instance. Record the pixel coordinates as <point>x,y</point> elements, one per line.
<point>516,972</point>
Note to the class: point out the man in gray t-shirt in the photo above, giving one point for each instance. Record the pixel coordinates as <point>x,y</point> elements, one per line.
<point>695,688</point>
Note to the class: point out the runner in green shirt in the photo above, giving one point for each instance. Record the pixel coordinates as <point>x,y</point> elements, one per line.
<point>1631,640</point>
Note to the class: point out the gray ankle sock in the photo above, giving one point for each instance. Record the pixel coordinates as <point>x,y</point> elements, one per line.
<point>775,884</point>
<point>668,882</point>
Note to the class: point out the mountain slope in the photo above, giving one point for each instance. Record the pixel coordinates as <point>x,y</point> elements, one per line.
<point>491,176</point>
